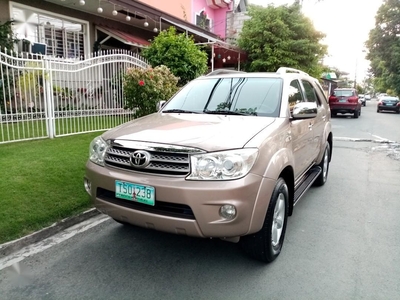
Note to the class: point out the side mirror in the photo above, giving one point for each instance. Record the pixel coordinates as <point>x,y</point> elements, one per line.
<point>160,104</point>
<point>305,110</point>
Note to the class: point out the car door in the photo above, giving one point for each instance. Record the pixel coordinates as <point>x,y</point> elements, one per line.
<point>318,123</point>
<point>301,132</point>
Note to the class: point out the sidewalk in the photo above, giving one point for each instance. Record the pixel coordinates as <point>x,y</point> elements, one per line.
<point>16,245</point>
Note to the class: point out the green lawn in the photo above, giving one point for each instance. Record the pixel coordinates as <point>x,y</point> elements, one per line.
<point>41,183</point>
<point>29,129</point>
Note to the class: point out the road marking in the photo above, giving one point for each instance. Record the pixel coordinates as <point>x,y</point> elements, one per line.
<point>58,238</point>
<point>378,140</point>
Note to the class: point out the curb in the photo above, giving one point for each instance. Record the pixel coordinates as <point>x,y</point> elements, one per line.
<point>13,246</point>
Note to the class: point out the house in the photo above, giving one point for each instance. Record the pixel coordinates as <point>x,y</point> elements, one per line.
<point>76,28</point>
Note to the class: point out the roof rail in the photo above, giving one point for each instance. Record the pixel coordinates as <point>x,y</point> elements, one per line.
<point>284,70</point>
<point>223,71</point>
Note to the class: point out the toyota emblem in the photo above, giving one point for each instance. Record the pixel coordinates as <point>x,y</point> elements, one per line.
<point>140,159</point>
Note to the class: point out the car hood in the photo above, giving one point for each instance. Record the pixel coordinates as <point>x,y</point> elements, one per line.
<point>202,131</point>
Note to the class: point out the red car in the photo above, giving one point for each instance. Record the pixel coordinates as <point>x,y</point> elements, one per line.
<point>345,101</point>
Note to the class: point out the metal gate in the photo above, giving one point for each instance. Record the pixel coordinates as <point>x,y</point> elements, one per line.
<point>42,96</point>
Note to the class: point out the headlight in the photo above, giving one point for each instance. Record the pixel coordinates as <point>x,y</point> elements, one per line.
<point>224,165</point>
<point>97,150</point>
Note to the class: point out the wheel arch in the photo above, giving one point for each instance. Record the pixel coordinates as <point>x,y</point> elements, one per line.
<point>288,175</point>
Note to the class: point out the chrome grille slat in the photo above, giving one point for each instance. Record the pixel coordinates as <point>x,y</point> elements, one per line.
<point>164,163</point>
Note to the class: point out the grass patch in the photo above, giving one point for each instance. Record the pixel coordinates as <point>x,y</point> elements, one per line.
<point>29,129</point>
<point>41,183</point>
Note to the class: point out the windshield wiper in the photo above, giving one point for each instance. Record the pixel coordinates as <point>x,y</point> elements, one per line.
<point>176,110</point>
<point>227,112</point>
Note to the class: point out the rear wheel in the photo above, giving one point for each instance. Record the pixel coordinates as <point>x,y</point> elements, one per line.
<point>356,114</point>
<point>377,110</point>
<point>266,244</point>
<point>333,114</point>
<point>324,165</point>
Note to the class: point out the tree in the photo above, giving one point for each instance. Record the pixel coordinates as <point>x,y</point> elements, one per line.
<point>384,47</point>
<point>282,36</point>
<point>179,53</point>
<point>7,37</point>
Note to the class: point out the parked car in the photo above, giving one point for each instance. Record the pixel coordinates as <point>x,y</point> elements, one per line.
<point>345,101</point>
<point>227,157</point>
<point>363,99</point>
<point>388,103</point>
<point>367,97</point>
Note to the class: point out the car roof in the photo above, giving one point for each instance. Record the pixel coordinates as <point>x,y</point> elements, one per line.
<point>282,72</point>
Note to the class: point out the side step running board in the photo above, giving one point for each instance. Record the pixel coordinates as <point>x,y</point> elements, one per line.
<point>310,177</point>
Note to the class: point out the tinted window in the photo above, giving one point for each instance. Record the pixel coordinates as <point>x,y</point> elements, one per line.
<point>295,95</point>
<point>253,96</point>
<point>310,92</point>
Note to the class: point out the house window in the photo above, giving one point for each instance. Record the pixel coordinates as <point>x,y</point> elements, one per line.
<point>62,42</point>
<point>59,35</point>
<point>203,21</point>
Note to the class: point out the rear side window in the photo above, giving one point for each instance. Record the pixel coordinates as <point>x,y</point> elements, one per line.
<point>310,92</point>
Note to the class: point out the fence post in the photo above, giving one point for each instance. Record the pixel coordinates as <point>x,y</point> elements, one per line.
<point>48,80</point>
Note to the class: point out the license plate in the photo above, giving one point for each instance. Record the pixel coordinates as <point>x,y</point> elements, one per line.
<point>135,192</point>
<point>389,104</point>
<point>342,100</point>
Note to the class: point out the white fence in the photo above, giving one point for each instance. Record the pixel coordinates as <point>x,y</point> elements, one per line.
<point>43,96</point>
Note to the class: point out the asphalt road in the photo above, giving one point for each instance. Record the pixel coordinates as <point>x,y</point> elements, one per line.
<point>342,242</point>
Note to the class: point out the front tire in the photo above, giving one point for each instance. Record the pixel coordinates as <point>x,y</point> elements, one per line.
<point>266,244</point>
<point>324,165</point>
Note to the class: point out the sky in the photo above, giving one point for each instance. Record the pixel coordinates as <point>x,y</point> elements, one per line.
<point>346,24</point>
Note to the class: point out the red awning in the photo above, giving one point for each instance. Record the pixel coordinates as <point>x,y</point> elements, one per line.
<point>124,37</point>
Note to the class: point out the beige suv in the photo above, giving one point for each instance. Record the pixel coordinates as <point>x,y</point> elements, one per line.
<point>227,157</point>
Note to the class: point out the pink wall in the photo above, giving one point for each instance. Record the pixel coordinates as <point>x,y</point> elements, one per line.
<point>177,8</point>
<point>217,16</point>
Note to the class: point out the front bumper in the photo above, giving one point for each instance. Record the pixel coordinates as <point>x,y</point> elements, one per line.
<point>182,206</point>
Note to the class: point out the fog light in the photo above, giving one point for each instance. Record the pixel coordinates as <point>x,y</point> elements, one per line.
<point>227,211</point>
<point>88,186</point>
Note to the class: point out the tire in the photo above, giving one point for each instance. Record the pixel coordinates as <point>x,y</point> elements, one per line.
<point>356,114</point>
<point>266,245</point>
<point>377,110</point>
<point>324,165</point>
<point>333,114</point>
<point>398,111</point>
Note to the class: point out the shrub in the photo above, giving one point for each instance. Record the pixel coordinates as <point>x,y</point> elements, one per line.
<point>179,53</point>
<point>145,87</point>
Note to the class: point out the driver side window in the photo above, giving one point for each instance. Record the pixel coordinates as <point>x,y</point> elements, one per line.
<point>295,95</point>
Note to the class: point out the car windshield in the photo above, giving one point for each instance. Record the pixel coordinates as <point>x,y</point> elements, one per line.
<point>343,93</point>
<point>233,96</point>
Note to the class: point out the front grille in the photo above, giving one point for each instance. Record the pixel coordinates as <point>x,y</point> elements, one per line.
<point>160,207</point>
<point>162,161</point>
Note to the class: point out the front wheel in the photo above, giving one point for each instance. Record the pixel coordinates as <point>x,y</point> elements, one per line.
<point>266,244</point>
<point>324,165</point>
